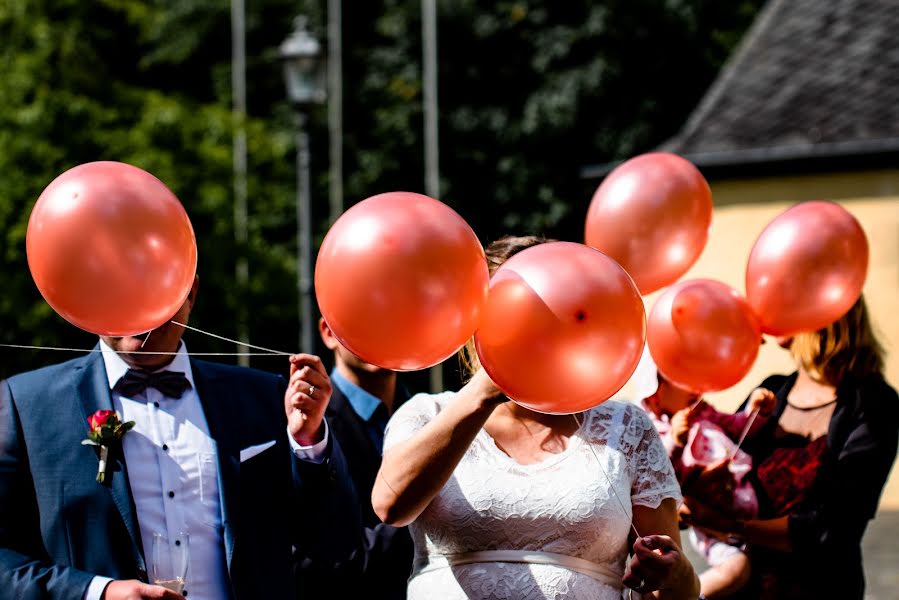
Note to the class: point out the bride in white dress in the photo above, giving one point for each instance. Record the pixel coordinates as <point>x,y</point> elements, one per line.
<point>506,503</point>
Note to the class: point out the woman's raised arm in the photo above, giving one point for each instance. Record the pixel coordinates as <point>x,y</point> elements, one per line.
<point>415,470</point>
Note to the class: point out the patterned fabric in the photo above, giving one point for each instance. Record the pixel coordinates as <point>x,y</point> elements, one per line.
<point>565,504</point>
<point>713,436</point>
<point>788,473</point>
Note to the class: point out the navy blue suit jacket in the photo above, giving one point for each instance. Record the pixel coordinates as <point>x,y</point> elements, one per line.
<point>387,559</point>
<point>59,527</point>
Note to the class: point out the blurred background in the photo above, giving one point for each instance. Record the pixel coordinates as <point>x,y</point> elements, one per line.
<point>528,94</point>
<point>511,112</point>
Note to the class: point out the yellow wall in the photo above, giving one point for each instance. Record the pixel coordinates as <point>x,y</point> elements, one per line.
<point>834,186</point>
<point>743,208</point>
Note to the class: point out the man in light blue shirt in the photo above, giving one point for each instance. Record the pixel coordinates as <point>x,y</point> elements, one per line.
<point>363,398</point>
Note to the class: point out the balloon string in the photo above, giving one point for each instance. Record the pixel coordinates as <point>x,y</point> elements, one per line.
<point>609,479</point>
<point>746,428</point>
<point>62,349</point>
<point>221,337</point>
<point>265,351</point>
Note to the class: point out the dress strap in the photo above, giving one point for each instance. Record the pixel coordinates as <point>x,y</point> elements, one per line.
<point>602,573</point>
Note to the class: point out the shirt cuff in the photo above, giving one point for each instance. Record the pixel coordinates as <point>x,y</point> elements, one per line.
<point>315,453</point>
<point>95,590</point>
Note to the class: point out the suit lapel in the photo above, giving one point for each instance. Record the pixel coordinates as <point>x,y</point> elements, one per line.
<point>94,395</point>
<point>214,394</point>
<point>352,433</point>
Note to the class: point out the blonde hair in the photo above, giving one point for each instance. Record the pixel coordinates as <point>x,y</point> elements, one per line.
<point>844,348</point>
<point>498,252</point>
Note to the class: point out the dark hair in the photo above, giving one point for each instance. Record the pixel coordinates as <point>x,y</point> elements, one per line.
<point>498,252</point>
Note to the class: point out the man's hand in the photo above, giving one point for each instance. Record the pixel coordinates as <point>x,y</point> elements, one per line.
<point>306,398</point>
<point>132,589</point>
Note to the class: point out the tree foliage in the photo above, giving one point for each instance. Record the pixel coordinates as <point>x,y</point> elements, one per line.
<point>529,91</point>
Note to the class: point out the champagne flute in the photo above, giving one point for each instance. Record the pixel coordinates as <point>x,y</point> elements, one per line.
<point>170,561</point>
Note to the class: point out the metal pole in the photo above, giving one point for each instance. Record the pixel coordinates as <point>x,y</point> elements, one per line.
<point>239,159</point>
<point>432,162</point>
<point>335,107</point>
<point>304,238</point>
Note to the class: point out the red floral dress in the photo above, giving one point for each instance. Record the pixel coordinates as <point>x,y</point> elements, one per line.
<point>787,474</point>
<point>786,477</point>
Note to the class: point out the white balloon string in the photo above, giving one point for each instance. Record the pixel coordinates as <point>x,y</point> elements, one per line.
<point>746,429</point>
<point>89,350</point>
<point>265,351</point>
<point>221,337</point>
<point>609,479</point>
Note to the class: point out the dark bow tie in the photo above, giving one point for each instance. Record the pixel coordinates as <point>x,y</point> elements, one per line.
<point>169,383</point>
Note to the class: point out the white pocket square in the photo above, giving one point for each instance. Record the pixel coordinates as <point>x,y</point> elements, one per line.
<point>251,451</point>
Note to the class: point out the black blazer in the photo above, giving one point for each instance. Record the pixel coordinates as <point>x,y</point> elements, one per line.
<point>387,560</point>
<point>59,527</point>
<point>826,530</point>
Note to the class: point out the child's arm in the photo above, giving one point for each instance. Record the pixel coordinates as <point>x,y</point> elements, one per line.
<point>733,424</point>
<point>762,400</point>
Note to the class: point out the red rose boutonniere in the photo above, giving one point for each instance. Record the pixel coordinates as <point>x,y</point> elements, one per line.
<point>106,430</point>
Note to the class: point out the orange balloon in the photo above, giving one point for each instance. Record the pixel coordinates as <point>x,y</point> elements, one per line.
<point>563,328</point>
<point>652,215</point>
<point>111,249</point>
<point>401,280</point>
<point>702,335</point>
<point>807,268</point>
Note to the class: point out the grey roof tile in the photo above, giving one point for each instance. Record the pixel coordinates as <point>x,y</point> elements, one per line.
<point>810,75</point>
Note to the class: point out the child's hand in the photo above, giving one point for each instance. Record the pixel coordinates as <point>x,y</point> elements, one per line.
<point>680,426</point>
<point>762,400</point>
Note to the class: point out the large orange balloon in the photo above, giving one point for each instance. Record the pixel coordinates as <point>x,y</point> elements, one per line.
<point>807,268</point>
<point>111,249</point>
<point>652,215</point>
<point>401,280</point>
<point>702,335</point>
<point>563,328</point>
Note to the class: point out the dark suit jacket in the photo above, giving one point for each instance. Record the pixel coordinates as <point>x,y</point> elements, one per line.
<point>59,527</point>
<point>387,560</point>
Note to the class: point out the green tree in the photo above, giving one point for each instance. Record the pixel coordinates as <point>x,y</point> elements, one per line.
<point>530,91</point>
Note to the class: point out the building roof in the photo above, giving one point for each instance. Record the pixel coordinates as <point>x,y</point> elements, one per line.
<point>813,84</point>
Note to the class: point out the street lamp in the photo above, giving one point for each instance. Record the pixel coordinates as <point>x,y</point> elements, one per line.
<point>304,76</point>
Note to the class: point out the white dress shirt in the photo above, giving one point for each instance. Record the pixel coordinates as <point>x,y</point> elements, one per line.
<point>173,474</point>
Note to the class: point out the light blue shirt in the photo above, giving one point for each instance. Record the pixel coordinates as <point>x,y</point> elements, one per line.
<point>364,404</point>
<point>173,474</point>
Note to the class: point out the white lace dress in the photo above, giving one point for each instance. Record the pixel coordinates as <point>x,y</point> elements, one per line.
<point>562,505</point>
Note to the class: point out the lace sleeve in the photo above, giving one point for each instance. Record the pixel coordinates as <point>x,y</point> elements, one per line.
<point>652,475</point>
<point>412,416</point>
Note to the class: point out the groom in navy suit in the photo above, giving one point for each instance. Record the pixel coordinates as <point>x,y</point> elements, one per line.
<point>234,463</point>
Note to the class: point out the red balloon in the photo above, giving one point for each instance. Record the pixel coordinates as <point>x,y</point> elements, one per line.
<point>703,335</point>
<point>652,215</point>
<point>111,249</point>
<point>401,280</point>
<point>563,328</point>
<point>807,268</point>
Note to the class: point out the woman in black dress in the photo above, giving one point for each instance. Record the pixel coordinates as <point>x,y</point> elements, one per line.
<point>822,462</point>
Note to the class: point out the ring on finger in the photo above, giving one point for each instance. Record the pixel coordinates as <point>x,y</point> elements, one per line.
<point>311,390</point>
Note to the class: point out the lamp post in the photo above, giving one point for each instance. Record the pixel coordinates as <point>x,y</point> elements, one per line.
<point>304,77</point>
